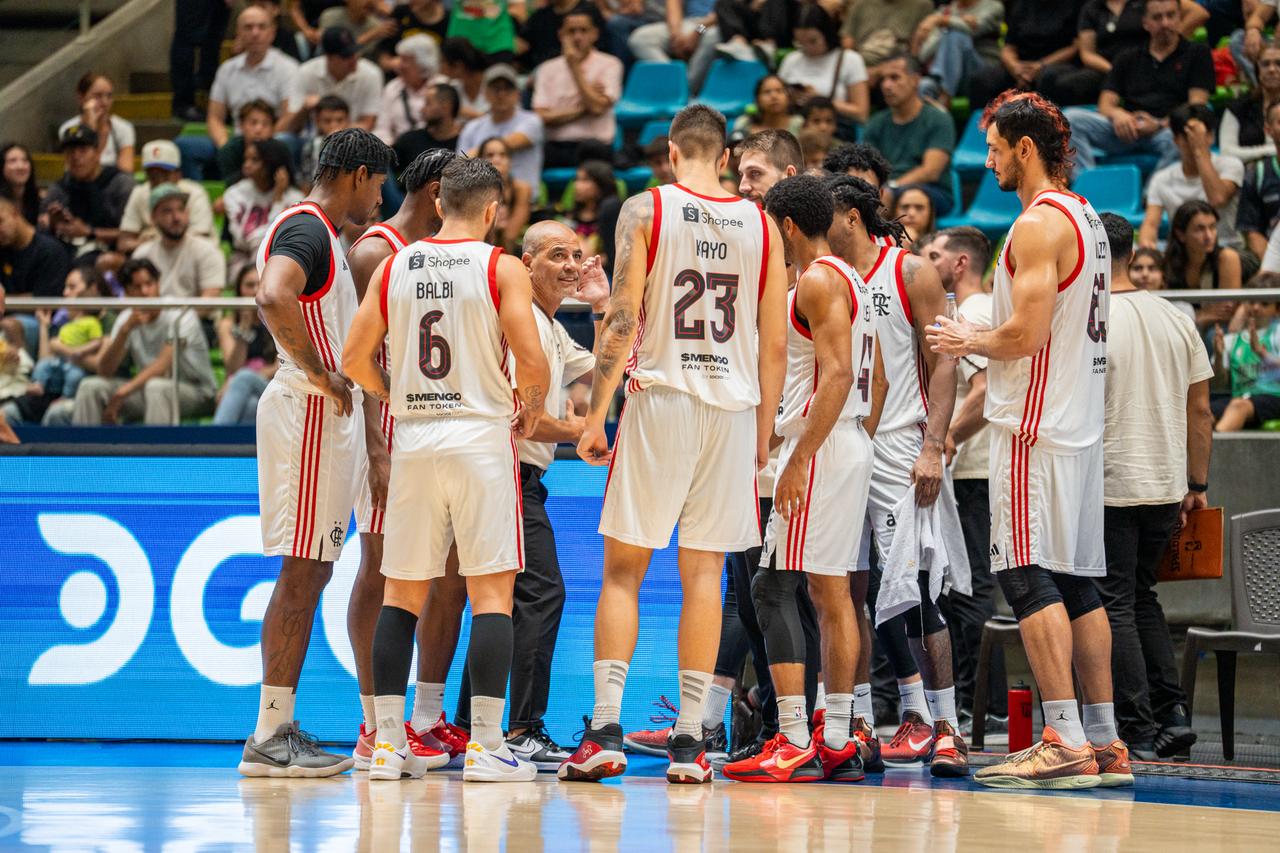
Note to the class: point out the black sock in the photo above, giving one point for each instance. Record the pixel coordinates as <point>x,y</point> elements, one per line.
<point>489,657</point>
<point>393,651</point>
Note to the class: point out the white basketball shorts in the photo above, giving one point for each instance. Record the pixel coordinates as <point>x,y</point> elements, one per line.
<point>895,455</point>
<point>369,519</point>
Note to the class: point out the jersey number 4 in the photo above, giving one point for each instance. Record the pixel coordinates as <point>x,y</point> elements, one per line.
<point>431,345</point>
<point>725,302</point>
<point>864,366</point>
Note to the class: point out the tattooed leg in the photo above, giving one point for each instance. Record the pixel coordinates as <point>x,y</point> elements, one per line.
<point>286,626</point>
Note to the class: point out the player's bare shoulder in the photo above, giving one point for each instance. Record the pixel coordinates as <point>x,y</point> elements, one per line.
<point>1043,230</point>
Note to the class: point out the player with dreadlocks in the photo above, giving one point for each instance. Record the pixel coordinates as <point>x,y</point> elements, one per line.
<point>309,432</point>
<point>417,218</point>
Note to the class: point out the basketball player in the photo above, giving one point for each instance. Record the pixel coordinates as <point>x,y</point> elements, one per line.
<point>825,465</point>
<point>1046,378</point>
<point>699,300</point>
<point>417,218</point>
<point>309,433</point>
<point>451,306</point>
<point>909,443</point>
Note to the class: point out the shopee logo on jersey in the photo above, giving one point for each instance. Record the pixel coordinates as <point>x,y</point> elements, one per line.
<point>693,214</point>
<point>437,262</point>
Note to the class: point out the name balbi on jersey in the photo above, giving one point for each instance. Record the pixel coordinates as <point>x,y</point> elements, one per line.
<point>447,355</point>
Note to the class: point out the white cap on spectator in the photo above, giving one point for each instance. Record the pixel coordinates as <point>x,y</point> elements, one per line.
<point>161,154</point>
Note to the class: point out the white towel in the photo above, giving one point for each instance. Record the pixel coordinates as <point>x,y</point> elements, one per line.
<point>923,541</point>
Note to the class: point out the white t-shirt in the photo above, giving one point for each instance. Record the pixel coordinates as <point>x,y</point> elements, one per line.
<point>361,89</point>
<point>567,361</point>
<point>820,72</point>
<point>236,84</point>
<point>970,462</point>
<point>148,340</point>
<point>137,211</point>
<point>1170,188</point>
<point>1153,356</point>
<point>192,266</point>
<point>1271,258</point>
<point>122,135</point>
<point>526,164</point>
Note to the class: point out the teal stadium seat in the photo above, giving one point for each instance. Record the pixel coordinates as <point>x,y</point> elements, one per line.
<point>653,90</point>
<point>992,212</point>
<point>969,160</point>
<point>1113,189</point>
<point>731,85</point>
<point>652,130</point>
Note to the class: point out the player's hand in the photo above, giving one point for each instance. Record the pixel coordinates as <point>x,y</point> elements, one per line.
<point>949,449</point>
<point>926,474</point>
<point>593,447</point>
<point>789,490</point>
<point>571,418</point>
<point>526,419</point>
<point>337,388</point>
<point>950,337</point>
<point>379,477</point>
<point>1193,501</point>
<point>763,449</point>
<point>593,284</point>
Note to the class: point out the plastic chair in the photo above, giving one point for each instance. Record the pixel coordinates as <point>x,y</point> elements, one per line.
<point>652,130</point>
<point>653,90</point>
<point>730,85</point>
<point>1113,189</point>
<point>970,156</point>
<point>993,210</point>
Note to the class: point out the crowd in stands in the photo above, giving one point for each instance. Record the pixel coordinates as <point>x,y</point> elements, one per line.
<point>1187,91</point>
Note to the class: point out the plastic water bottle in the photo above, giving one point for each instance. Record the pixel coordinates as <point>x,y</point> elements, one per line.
<point>953,311</point>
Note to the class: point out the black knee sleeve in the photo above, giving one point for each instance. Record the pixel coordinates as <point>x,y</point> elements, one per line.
<point>1028,589</point>
<point>1079,595</point>
<point>925,618</point>
<point>774,594</point>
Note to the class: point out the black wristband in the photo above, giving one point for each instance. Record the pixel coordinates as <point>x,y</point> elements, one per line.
<point>1198,488</point>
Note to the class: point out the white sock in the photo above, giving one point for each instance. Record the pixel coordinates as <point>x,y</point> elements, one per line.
<point>1064,718</point>
<point>1100,723</point>
<point>275,708</point>
<point>486,720</point>
<point>428,703</point>
<point>370,715</point>
<point>912,697</point>
<point>611,680</point>
<point>389,711</point>
<point>862,706</point>
<point>942,706</point>
<point>693,699</point>
<point>820,699</point>
<point>835,726</point>
<point>717,701</point>
<point>793,721</point>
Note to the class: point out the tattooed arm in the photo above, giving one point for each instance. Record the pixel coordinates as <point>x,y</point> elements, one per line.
<point>928,299</point>
<point>515,315</point>
<point>613,342</point>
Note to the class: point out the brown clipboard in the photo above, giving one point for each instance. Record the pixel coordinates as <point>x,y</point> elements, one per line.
<point>1195,552</point>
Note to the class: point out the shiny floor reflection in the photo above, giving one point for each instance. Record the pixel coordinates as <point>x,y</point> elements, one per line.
<point>120,808</point>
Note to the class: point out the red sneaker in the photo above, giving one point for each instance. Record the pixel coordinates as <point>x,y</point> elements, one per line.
<point>840,765</point>
<point>868,744</point>
<point>363,753</point>
<point>598,756</point>
<point>911,743</point>
<point>779,761</point>
<point>435,758</point>
<point>819,717</point>
<point>654,741</point>
<point>445,737</point>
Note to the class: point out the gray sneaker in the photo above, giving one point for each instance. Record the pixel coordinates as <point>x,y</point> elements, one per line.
<point>291,753</point>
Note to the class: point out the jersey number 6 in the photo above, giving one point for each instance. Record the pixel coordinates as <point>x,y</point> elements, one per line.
<point>698,285</point>
<point>429,343</point>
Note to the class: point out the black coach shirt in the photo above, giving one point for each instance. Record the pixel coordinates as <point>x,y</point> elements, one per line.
<point>1143,83</point>
<point>305,238</point>
<point>1259,209</point>
<point>1115,33</point>
<point>1037,27</point>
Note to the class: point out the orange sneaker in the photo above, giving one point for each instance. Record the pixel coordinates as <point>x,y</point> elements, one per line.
<point>1049,764</point>
<point>1113,765</point>
<point>779,761</point>
<point>950,753</point>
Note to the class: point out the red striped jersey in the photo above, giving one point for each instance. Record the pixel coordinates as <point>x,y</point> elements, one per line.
<point>446,350</point>
<point>329,311</point>
<point>907,402</point>
<point>1056,399</point>
<point>706,271</point>
<point>396,241</point>
<point>802,363</point>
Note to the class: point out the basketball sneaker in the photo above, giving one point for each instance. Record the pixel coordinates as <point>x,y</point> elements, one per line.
<point>950,757</point>
<point>1049,764</point>
<point>748,750</point>
<point>495,765</point>
<point>912,742</point>
<point>654,741</point>
<point>717,744</point>
<point>839,765</point>
<point>535,746</point>
<point>598,756</point>
<point>365,746</point>
<point>687,761</point>
<point>389,764</point>
<point>446,737</point>
<point>290,753</point>
<point>868,745</point>
<point>1113,765</point>
<point>779,760</point>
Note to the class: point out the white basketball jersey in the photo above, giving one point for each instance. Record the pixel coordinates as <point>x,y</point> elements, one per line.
<point>697,326</point>
<point>907,401</point>
<point>397,242</point>
<point>328,312</point>
<point>802,363</point>
<point>1057,398</point>
<point>447,354</point>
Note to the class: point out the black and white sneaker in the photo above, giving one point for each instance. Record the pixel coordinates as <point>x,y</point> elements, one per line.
<point>717,741</point>
<point>535,746</point>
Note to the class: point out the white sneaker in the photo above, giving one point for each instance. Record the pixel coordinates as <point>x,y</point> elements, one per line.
<point>498,765</point>
<point>391,764</point>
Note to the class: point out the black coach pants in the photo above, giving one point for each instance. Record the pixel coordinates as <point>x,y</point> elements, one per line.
<point>535,616</point>
<point>197,24</point>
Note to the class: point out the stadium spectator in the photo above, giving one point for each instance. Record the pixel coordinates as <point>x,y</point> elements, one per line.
<point>1220,18</point>
<point>1244,129</point>
<point>198,26</point>
<point>519,128</point>
<point>83,209</point>
<point>465,67</point>
<point>914,210</point>
<point>574,94</point>
<point>1107,28</point>
<point>18,180</point>
<point>286,41</point>
<point>1247,43</point>
<point>332,115</point>
<point>251,203</point>
<point>1146,269</point>
<point>958,40</point>
<point>622,18</point>
<point>879,29</point>
<point>517,194</point>
<point>116,136</point>
<point>163,165</point>
<point>1195,260</point>
<point>595,209</point>
<point>404,96</point>
<point>821,67</point>
<point>816,145</point>
<point>656,157</point>
<point>419,17</point>
<point>364,19</point>
<point>1249,352</point>
<point>16,365</point>
<point>688,32</point>
<point>257,121</point>
<point>340,71</point>
<point>490,26</point>
<point>146,337</point>
<point>187,265</point>
<point>917,138</point>
<point>859,160</point>
<point>1198,174</point>
<point>305,16</point>
<point>1142,88</point>
<point>819,116</point>
<point>1155,450</point>
<point>31,262</point>
<point>773,108</point>
<point>1041,35</point>
<point>441,128</point>
<point>542,33</point>
<point>752,30</point>
<point>249,355</point>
